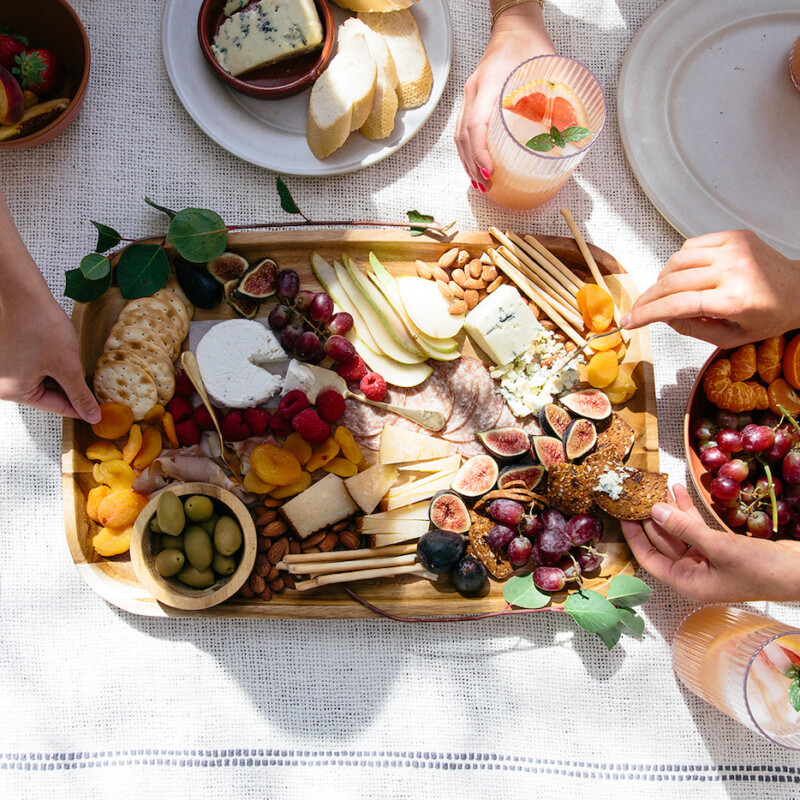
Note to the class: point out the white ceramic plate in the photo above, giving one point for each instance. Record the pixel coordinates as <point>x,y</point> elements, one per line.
<point>272,133</point>
<point>710,120</point>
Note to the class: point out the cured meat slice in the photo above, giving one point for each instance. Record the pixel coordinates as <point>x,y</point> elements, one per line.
<point>464,376</point>
<point>434,394</point>
<point>488,407</point>
<point>363,419</point>
<point>470,448</point>
<point>506,419</point>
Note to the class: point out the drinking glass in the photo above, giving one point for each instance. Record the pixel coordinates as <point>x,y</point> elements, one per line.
<point>525,178</point>
<point>742,663</point>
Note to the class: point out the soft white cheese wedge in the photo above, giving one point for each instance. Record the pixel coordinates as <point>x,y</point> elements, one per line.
<point>223,356</point>
<point>502,325</point>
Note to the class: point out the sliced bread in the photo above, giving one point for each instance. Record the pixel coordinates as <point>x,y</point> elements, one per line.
<point>373,5</point>
<point>341,99</point>
<point>400,30</point>
<point>380,122</point>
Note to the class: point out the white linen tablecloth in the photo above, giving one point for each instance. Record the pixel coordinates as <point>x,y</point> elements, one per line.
<point>100,703</point>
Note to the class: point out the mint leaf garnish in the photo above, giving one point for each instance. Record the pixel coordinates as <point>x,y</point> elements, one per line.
<point>794,694</point>
<point>541,143</point>
<point>556,138</point>
<point>574,133</point>
<point>418,216</point>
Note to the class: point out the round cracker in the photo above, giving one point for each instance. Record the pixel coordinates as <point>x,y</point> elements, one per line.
<point>123,377</point>
<point>122,332</point>
<point>159,364</point>
<point>161,310</point>
<point>168,332</point>
<point>177,306</point>
<point>173,286</point>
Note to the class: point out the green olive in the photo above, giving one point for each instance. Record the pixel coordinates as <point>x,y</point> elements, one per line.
<point>169,562</point>
<point>198,548</point>
<point>197,579</point>
<point>223,565</point>
<point>169,513</point>
<point>154,525</point>
<point>227,536</point>
<point>209,524</point>
<point>171,542</point>
<point>198,507</point>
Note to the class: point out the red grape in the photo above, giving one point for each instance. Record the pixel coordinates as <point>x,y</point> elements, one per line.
<point>781,446</point>
<point>589,559</point>
<point>290,334</point>
<point>340,323</point>
<point>549,579</point>
<point>729,440</point>
<point>747,492</point>
<point>703,428</point>
<point>756,438</point>
<point>321,308</point>
<point>736,516</point>
<point>303,299</point>
<point>584,527</point>
<point>570,567</point>
<point>279,317</point>
<point>553,543</point>
<point>791,467</point>
<point>306,345</point>
<point>509,512</point>
<point>762,486</point>
<point>726,504</point>
<point>768,418</point>
<point>287,284</point>
<point>784,512</point>
<point>339,348</point>
<point>530,525</point>
<point>713,458</point>
<point>745,419</point>
<point>759,525</point>
<point>519,551</point>
<point>552,518</point>
<point>726,419</point>
<point>736,469</point>
<point>793,529</point>
<point>724,488</point>
<point>500,536</point>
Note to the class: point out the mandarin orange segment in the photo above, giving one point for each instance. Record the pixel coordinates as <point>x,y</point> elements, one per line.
<point>255,485</point>
<point>602,369</point>
<point>112,541</point>
<point>117,474</point>
<point>323,453</point>
<point>791,362</point>
<point>120,509</point>
<point>133,445</point>
<point>300,485</point>
<point>167,422</point>
<point>743,362</point>
<point>350,449</point>
<point>153,416</point>
<point>781,394</point>
<point>297,445</point>
<point>103,451</point>
<point>275,465</point>
<point>93,500</point>
<point>607,342</point>
<point>115,421</point>
<point>768,359</point>
<point>150,449</point>
<point>597,307</point>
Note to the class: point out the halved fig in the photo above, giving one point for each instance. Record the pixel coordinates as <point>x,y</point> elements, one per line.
<point>529,474</point>
<point>554,419</point>
<point>476,476</point>
<point>244,306</point>
<point>589,403</point>
<point>548,450</point>
<point>260,280</point>
<point>579,438</point>
<point>227,267</point>
<point>506,443</point>
<point>448,512</point>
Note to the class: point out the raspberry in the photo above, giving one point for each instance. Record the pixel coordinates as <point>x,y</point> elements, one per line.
<point>280,426</point>
<point>188,433</point>
<point>180,408</point>
<point>308,424</point>
<point>203,419</point>
<point>353,370</point>
<point>183,386</point>
<point>233,427</point>
<point>257,419</point>
<point>373,386</point>
<point>292,403</point>
<point>330,405</point>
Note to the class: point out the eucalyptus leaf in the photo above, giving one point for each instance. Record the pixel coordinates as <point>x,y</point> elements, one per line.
<point>106,237</point>
<point>95,266</point>
<point>418,216</point>
<point>611,636</point>
<point>287,201</point>
<point>168,211</point>
<point>794,694</point>
<point>198,234</point>
<point>591,611</point>
<point>142,270</point>
<point>625,590</point>
<point>83,290</point>
<point>541,143</point>
<point>520,591</point>
<point>631,622</point>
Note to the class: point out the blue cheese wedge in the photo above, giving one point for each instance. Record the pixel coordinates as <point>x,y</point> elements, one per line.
<point>266,32</point>
<point>502,325</point>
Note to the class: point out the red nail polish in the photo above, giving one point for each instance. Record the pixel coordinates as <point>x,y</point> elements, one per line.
<point>482,188</point>
<point>475,185</point>
<point>485,173</point>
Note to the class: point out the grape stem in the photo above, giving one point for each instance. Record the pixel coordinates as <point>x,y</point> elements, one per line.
<point>772,499</point>
<point>792,420</point>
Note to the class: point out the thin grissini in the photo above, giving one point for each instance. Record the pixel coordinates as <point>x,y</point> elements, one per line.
<point>347,555</point>
<point>583,247</point>
<point>329,567</point>
<point>363,575</point>
<point>565,271</point>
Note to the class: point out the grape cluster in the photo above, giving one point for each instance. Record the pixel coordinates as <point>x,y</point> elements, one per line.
<point>308,327</point>
<point>563,548</point>
<point>744,456</point>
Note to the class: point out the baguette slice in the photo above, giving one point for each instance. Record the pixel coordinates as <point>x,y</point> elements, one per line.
<point>374,5</point>
<point>402,35</point>
<point>342,97</point>
<point>380,122</point>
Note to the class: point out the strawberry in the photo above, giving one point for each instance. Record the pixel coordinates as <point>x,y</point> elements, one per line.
<point>38,70</point>
<point>11,45</point>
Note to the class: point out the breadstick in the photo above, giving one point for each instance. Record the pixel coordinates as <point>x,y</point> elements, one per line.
<point>363,575</point>
<point>544,266</point>
<point>582,246</point>
<point>563,269</point>
<point>325,567</point>
<point>342,555</point>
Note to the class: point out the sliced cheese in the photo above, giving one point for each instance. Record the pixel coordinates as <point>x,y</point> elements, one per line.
<point>399,446</point>
<point>418,490</point>
<point>386,539</point>
<point>446,464</point>
<point>323,503</point>
<point>414,511</point>
<point>412,527</point>
<point>368,487</point>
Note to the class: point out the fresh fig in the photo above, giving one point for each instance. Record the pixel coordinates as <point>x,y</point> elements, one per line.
<point>476,476</point>
<point>589,403</point>
<point>506,443</point>
<point>548,450</point>
<point>260,280</point>
<point>198,286</point>
<point>227,267</point>
<point>554,419</point>
<point>448,512</point>
<point>579,438</point>
<point>244,306</point>
<point>530,474</point>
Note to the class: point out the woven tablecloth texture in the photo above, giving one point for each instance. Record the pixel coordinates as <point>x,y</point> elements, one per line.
<point>100,703</point>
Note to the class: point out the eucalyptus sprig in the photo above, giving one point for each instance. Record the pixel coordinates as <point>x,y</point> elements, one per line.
<point>198,235</point>
<point>545,142</point>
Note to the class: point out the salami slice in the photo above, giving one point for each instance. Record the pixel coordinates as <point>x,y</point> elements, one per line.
<point>364,420</point>
<point>434,394</point>
<point>488,407</point>
<point>464,376</point>
<point>471,448</point>
<point>506,419</point>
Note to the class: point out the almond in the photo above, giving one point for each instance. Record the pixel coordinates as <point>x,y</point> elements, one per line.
<point>272,502</point>
<point>262,566</point>
<point>456,290</point>
<point>472,283</point>
<point>440,275</point>
<point>266,517</point>
<point>274,529</point>
<point>294,547</point>
<point>459,276</point>
<point>266,594</point>
<point>340,526</point>
<point>498,281</point>
<point>488,273</point>
<point>423,270</point>
<point>463,259</point>
<point>533,307</point>
<point>486,258</point>
<point>264,544</point>
<point>276,585</point>
<point>471,298</point>
<point>258,510</point>
<point>349,539</point>
<point>447,259</point>
<point>560,337</point>
<point>289,581</point>
<point>329,542</point>
<point>548,324</point>
<point>457,307</point>
<point>272,574</point>
<point>312,541</point>
<point>444,290</point>
<point>277,551</point>
<point>245,591</point>
<point>475,268</point>
<point>257,584</point>
<point>569,346</point>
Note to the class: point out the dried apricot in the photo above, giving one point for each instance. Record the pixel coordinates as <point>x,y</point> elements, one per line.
<point>597,307</point>
<point>298,486</point>
<point>151,447</point>
<point>342,467</point>
<point>153,416</point>
<point>93,500</point>
<point>120,509</point>
<point>103,451</point>
<point>781,394</point>
<point>791,362</point>
<point>115,421</point>
<point>116,474</point>
<point>607,342</point>
<point>622,389</point>
<point>350,450</point>
<point>621,350</point>
<point>768,359</point>
<point>133,445</point>
<point>296,444</point>
<point>743,362</point>
<point>112,541</point>
<point>255,485</point>
<point>275,465</point>
<point>323,453</point>
<point>602,369</point>
<point>168,426</point>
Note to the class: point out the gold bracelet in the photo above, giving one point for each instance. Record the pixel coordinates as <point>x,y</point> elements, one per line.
<point>511,4</point>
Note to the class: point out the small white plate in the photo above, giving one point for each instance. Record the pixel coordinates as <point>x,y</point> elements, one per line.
<point>710,120</point>
<point>272,133</point>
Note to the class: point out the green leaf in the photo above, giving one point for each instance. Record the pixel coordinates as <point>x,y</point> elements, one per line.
<point>168,211</point>
<point>95,266</point>
<point>83,290</point>
<point>631,622</point>
<point>521,591</point>
<point>142,270</point>
<point>574,133</point>
<point>106,237</point>
<point>625,590</point>
<point>198,234</point>
<point>541,143</point>
<point>591,611</point>
<point>794,694</point>
<point>287,201</point>
<point>611,636</point>
<point>418,216</point>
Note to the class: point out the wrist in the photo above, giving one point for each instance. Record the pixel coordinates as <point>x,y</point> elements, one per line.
<point>524,23</point>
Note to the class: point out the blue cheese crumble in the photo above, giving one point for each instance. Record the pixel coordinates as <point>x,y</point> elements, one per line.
<point>610,482</point>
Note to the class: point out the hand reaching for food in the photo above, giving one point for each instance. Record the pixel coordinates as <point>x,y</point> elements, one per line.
<point>708,565</point>
<point>727,288</point>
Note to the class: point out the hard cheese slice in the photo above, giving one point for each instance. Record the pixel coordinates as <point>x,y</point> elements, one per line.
<point>368,487</point>
<point>399,446</point>
<point>324,503</point>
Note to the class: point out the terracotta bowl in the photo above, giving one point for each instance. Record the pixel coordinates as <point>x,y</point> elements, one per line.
<point>172,592</point>
<point>275,81</point>
<point>52,24</point>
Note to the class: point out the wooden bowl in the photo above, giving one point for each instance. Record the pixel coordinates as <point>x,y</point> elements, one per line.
<point>169,590</point>
<point>52,24</point>
<point>275,81</point>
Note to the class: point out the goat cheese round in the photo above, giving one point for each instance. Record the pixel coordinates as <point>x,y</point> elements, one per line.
<point>225,356</point>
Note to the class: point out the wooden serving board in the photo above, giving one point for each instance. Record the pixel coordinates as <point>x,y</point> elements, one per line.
<point>114,579</point>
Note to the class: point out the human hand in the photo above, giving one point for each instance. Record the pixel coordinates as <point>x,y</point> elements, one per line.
<point>712,566</point>
<point>518,35</point>
<point>727,288</point>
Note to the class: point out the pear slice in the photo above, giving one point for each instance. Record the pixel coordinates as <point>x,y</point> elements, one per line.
<point>394,372</point>
<point>427,308</point>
